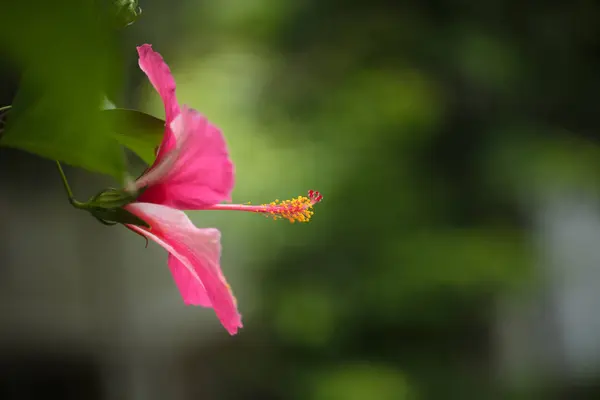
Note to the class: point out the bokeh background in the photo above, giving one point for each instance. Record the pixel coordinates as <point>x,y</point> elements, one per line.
<point>456,254</point>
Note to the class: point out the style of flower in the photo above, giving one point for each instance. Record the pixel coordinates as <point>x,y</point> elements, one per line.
<point>192,171</point>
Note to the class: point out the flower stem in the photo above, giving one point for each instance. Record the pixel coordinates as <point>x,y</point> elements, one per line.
<point>74,203</point>
<point>8,107</point>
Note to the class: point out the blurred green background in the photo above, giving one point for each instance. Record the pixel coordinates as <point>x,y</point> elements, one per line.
<point>455,255</point>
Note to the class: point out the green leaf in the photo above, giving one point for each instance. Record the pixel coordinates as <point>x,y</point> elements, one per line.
<point>139,132</point>
<point>40,124</point>
<point>69,61</point>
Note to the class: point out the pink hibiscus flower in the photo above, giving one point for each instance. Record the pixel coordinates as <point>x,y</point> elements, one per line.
<point>192,171</point>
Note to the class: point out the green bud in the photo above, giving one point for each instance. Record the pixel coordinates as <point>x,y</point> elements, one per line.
<point>112,216</point>
<point>107,207</point>
<point>114,198</point>
<point>126,12</point>
<point>111,198</point>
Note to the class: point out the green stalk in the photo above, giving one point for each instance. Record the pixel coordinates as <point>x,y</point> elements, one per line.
<point>74,203</point>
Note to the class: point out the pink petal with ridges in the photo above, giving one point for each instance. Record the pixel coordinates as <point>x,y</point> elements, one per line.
<point>202,173</point>
<point>162,166</point>
<point>194,259</point>
<point>159,74</point>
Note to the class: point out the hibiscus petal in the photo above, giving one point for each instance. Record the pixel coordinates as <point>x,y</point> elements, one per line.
<point>160,76</point>
<point>192,291</point>
<point>202,173</point>
<point>162,167</point>
<point>194,259</point>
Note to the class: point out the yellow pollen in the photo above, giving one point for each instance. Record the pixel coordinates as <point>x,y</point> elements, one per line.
<point>294,210</point>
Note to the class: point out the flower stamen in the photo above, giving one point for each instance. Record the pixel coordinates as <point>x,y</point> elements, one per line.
<point>298,209</point>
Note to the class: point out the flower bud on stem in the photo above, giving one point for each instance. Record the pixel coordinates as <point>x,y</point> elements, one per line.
<point>107,206</point>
